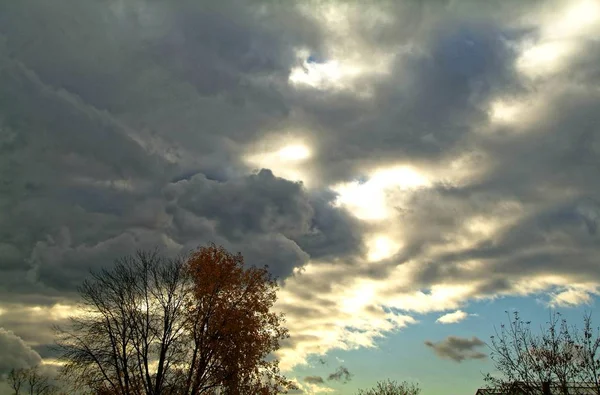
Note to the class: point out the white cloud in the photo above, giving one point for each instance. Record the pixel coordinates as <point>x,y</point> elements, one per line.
<point>452,318</point>
<point>573,296</point>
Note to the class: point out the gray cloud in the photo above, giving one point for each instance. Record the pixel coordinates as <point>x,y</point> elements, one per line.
<point>258,203</point>
<point>457,348</point>
<point>341,374</point>
<point>15,353</point>
<point>314,379</point>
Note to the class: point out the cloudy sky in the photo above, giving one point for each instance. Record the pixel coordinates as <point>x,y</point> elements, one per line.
<point>410,170</point>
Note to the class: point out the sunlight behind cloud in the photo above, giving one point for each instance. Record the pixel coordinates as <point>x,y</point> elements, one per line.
<point>57,311</point>
<point>544,58</point>
<point>560,38</point>
<point>330,74</point>
<point>381,247</point>
<point>294,153</point>
<point>284,159</point>
<point>369,200</point>
<point>346,58</point>
<point>358,297</point>
<point>439,297</point>
<point>504,112</point>
<point>578,17</point>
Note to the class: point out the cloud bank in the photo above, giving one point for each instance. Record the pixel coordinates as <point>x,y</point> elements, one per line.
<point>384,160</point>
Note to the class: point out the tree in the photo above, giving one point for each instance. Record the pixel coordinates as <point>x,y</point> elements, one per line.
<point>560,356</point>
<point>195,325</point>
<point>30,381</point>
<point>389,387</point>
<point>17,379</point>
<point>232,328</point>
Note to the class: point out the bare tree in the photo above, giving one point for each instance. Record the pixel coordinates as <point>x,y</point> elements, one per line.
<point>587,342</point>
<point>390,387</point>
<point>153,326</point>
<point>31,381</point>
<point>560,356</point>
<point>17,379</point>
<point>126,340</point>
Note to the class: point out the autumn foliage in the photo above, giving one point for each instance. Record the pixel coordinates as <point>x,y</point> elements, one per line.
<point>232,326</point>
<point>198,325</point>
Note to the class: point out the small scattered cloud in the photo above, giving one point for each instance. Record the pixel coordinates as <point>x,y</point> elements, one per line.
<point>457,348</point>
<point>452,318</point>
<point>342,374</point>
<point>572,297</point>
<point>314,379</point>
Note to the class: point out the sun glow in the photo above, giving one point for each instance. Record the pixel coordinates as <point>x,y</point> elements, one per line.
<point>560,38</point>
<point>331,74</point>
<point>544,58</point>
<point>505,112</point>
<point>381,247</point>
<point>369,200</point>
<point>285,160</point>
<point>576,19</point>
<point>296,152</point>
<point>358,298</point>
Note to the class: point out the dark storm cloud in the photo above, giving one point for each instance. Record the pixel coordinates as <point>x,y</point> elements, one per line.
<point>457,349</point>
<point>258,203</point>
<point>334,231</point>
<point>104,103</point>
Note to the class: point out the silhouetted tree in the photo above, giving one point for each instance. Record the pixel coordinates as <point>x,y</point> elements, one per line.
<point>389,387</point>
<point>31,381</point>
<point>184,326</point>
<point>560,356</point>
<point>16,379</point>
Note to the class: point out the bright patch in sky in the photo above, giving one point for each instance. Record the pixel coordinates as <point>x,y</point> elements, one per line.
<point>381,247</point>
<point>369,200</point>
<point>560,38</point>
<point>502,111</point>
<point>348,58</point>
<point>330,74</point>
<point>440,297</point>
<point>284,160</point>
<point>294,152</point>
<point>578,17</point>
<point>359,297</point>
<point>544,58</point>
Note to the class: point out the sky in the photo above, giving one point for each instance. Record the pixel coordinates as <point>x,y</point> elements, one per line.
<point>409,170</point>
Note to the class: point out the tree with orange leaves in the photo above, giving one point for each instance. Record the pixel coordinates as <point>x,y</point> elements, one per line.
<point>197,325</point>
<point>232,326</point>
